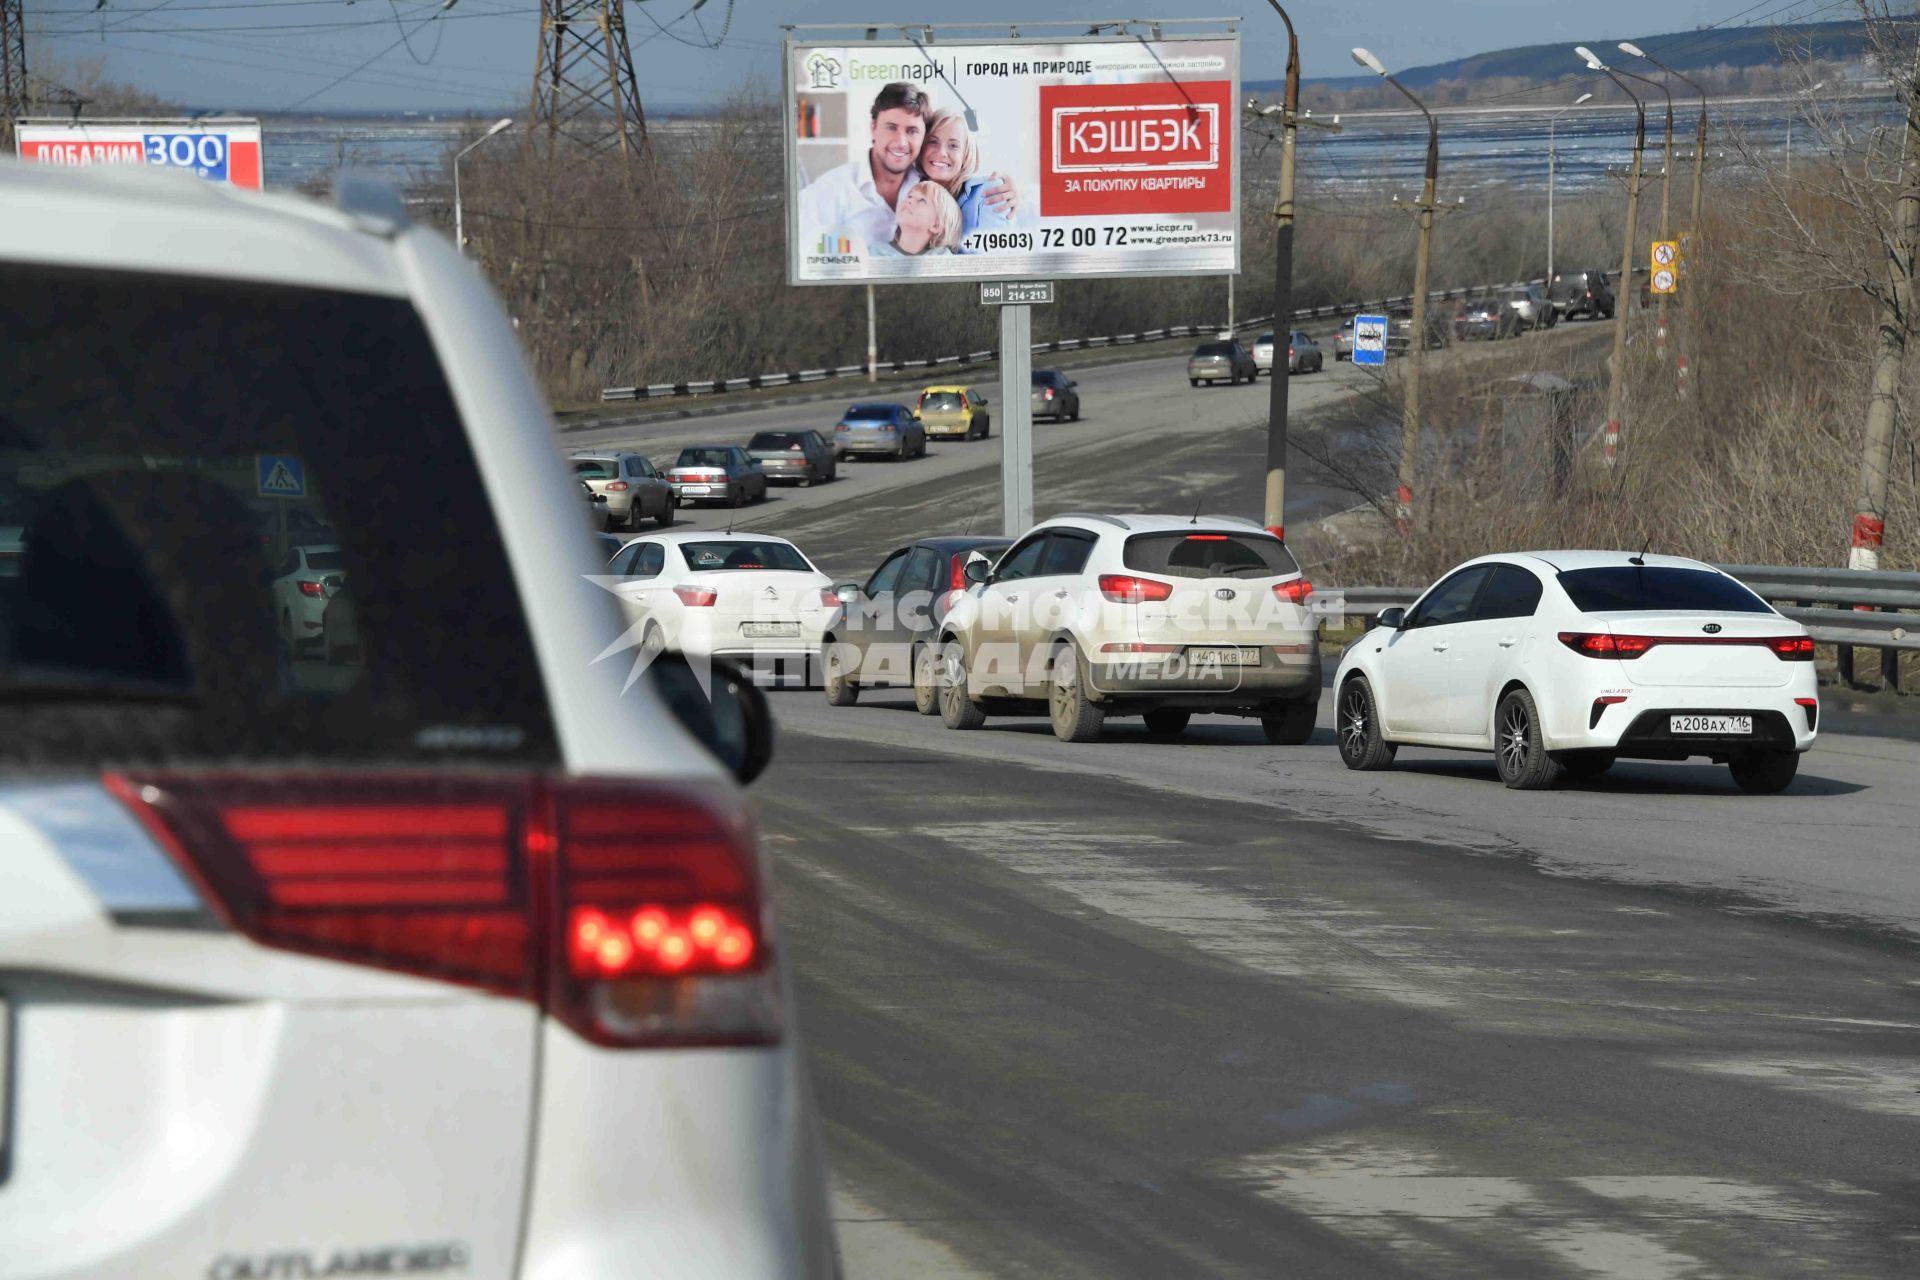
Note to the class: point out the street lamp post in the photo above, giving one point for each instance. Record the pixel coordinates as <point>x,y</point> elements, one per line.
<point>459,221</point>
<point>1616,382</point>
<point>1551,122</point>
<point>1666,202</point>
<point>1700,129</point>
<point>1424,211</point>
<point>1275,510</point>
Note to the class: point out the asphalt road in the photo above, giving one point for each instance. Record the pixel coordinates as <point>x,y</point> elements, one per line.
<point>1219,1008</point>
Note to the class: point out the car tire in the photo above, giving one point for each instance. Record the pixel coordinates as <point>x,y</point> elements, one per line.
<point>1585,766</point>
<point>1075,415</point>
<point>1518,753</point>
<point>835,680</point>
<point>926,680</point>
<point>1167,722</point>
<point>1765,773</point>
<point>1356,728</point>
<point>1292,724</point>
<point>1193,382</point>
<point>669,513</point>
<point>1076,718</point>
<point>957,709</point>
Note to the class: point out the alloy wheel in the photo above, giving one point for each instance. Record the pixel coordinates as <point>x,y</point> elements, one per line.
<point>1514,733</point>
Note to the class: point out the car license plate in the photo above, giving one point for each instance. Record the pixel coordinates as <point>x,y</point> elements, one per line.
<point>1224,657</point>
<point>1710,724</point>
<point>768,630</point>
<point>697,488</point>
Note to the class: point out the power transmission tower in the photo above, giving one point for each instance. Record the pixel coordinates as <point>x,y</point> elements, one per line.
<point>13,69</point>
<point>584,89</point>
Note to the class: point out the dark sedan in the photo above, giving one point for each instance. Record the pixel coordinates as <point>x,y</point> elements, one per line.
<point>1055,396</point>
<point>1487,317</point>
<point>795,457</point>
<point>881,635</point>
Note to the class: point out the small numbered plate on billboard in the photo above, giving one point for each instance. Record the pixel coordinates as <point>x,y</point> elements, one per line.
<point>1369,339</point>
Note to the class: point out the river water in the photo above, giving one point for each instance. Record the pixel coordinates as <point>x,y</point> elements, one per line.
<point>1478,149</point>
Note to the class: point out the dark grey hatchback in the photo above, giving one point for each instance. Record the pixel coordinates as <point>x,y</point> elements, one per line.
<point>881,635</point>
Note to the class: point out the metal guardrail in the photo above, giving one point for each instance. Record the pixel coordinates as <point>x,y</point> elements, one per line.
<point>1865,612</point>
<point>759,381</point>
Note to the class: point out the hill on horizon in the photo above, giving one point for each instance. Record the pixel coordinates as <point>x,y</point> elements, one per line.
<point>1683,50</point>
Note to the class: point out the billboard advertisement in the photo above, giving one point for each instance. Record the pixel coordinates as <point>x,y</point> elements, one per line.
<point>223,150</point>
<point>1016,159</point>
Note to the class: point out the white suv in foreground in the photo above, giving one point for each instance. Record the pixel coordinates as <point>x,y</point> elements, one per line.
<point>1091,616</point>
<point>446,959</point>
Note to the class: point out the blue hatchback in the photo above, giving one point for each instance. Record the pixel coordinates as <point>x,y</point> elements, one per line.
<point>889,429</point>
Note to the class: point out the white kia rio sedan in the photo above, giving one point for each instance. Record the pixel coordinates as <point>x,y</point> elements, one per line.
<point>1561,662</point>
<point>449,959</point>
<point>751,597</point>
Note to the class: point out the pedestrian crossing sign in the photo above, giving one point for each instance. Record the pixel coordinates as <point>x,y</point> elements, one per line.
<point>280,475</point>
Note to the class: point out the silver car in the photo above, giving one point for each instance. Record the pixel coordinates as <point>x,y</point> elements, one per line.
<point>633,487</point>
<point>1530,303</point>
<point>722,473</point>
<point>1304,354</point>
<point>1222,361</point>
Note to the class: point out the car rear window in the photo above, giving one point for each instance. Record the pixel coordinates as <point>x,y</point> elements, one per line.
<point>172,436</point>
<point>938,400</point>
<point>777,440</point>
<point>1624,588</point>
<point>704,458</point>
<point>1215,349</point>
<point>594,468</point>
<point>1209,553</point>
<point>870,413</point>
<point>736,554</point>
<point>326,560</point>
<point>1045,378</point>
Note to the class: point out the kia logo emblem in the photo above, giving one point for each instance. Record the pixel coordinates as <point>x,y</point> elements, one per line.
<point>1224,593</point>
<point>1712,628</point>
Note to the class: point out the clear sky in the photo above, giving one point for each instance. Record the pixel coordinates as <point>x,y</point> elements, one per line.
<point>314,55</point>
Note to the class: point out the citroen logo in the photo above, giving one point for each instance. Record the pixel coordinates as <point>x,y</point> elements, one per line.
<point>1712,628</point>
<point>1224,593</point>
<point>773,593</point>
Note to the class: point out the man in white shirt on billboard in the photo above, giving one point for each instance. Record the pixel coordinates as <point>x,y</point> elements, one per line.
<point>859,197</point>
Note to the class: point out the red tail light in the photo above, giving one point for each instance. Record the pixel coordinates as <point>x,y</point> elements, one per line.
<point>1605,644</point>
<point>829,598</point>
<point>311,588</point>
<point>631,912</point>
<point>1595,645</point>
<point>618,486</point>
<point>697,597</point>
<point>957,571</point>
<point>1125,589</point>
<point>1205,537</point>
<point>1295,592</point>
<point>1049,394</point>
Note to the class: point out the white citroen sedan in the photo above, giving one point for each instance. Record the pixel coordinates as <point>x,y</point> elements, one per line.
<point>1561,662</point>
<point>448,959</point>
<point>750,597</point>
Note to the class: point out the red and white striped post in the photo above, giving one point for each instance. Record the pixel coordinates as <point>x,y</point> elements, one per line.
<point>1868,529</point>
<point>1612,440</point>
<point>1680,378</point>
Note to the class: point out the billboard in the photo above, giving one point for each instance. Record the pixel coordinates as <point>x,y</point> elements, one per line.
<point>1015,159</point>
<point>221,149</point>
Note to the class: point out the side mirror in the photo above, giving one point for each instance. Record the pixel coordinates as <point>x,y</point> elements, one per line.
<point>1392,618</point>
<point>600,499</point>
<point>847,591</point>
<point>729,717</point>
<point>984,402</point>
<point>1071,384</point>
<point>976,571</point>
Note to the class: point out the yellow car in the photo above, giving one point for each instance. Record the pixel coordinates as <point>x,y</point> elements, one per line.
<point>954,411</point>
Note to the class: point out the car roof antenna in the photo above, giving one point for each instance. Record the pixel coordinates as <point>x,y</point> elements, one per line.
<point>1196,509</point>
<point>1640,560</point>
<point>732,511</point>
<point>970,519</point>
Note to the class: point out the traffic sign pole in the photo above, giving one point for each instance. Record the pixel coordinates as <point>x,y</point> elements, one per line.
<point>1016,418</point>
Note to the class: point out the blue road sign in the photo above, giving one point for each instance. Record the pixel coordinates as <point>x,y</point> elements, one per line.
<point>280,475</point>
<point>1369,339</point>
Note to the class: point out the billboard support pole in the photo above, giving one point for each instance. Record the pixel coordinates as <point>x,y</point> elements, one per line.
<point>1016,419</point>
<point>873,341</point>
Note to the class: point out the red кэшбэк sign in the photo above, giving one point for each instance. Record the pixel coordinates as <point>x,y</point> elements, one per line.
<point>1136,148</point>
